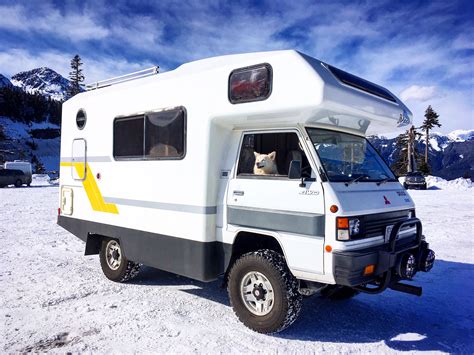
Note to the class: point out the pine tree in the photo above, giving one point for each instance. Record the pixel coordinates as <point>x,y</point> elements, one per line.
<point>431,120</point>
<point>75,76</point>
<point>406,146</point>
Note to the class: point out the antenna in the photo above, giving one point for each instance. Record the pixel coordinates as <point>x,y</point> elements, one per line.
<point>123,78</point>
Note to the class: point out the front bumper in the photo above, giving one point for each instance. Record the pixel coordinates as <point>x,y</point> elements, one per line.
<point>349,266</point>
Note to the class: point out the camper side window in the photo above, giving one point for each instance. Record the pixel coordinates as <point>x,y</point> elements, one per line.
<point>268,155</point>
<point>152,136</point>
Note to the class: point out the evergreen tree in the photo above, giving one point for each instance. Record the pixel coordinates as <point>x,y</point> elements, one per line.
<point>38,166</point>
<point>75,76</point>
<point>431,120</point>
<point>406,146</point>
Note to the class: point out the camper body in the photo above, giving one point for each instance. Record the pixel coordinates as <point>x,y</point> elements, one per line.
<point>23,166</point>
<point>160,171</point>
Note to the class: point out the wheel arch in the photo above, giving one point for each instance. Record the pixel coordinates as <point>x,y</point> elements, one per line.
<point>247,241</point>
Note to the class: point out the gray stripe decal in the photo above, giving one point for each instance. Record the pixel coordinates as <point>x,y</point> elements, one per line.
<point>298,223</point>
<point>163,206</point>
<point>92,159</point>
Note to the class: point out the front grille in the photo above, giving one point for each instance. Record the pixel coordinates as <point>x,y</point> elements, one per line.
<point>374,225</point>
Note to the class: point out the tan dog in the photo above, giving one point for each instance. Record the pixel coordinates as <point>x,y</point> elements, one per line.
<point>265,164</point>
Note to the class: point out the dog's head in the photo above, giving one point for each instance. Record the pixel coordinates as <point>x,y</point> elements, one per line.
<point>265,161</point>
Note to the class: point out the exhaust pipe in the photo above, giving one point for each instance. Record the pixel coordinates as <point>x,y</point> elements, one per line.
<point>412,290</point>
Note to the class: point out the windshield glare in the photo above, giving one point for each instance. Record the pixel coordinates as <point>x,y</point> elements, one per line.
<point>346,157</point>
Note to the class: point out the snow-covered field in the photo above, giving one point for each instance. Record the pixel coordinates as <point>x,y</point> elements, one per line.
<point>52,298</point>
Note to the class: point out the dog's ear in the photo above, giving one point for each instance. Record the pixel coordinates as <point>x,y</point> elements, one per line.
<point>256,154</point>
<point>272,155</point>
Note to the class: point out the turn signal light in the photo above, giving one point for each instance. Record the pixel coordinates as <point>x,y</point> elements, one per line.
<point>369,269</point>
<point>333,208</point>
<point>343,223</point>
<point>328,248</point>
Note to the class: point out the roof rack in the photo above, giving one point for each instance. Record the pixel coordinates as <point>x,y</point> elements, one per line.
<point>120,79</point>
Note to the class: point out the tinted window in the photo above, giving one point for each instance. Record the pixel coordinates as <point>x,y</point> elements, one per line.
<point>128,137</point>
<point>155,135</point>
<point>164,134</point>
<point>250,84</point>
<point>360,83</point>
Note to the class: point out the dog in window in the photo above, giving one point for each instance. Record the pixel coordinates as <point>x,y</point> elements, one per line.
<point>265,164</point>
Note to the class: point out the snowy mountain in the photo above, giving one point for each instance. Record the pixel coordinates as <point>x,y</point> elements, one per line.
<point>4,81</point>
<point>44,81</point>
<point>451,156</point>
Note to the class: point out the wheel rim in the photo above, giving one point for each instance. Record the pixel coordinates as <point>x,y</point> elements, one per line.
<point>113,254</point>
<point>257,293</point>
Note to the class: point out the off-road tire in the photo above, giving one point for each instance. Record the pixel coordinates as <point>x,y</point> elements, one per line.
<point>287,299</point>
<point>125,272</point>
<point>339,293</point>
<point>18,183</point>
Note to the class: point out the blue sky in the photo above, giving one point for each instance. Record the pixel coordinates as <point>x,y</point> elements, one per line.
<point>423,51</point>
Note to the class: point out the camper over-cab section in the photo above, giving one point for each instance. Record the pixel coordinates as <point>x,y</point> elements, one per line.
<point>254,167</point>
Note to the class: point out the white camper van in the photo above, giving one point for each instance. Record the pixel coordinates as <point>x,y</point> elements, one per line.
<point>254,167</point>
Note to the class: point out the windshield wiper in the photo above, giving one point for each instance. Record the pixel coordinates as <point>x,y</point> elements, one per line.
<point>383,181</point>
<point>356,179</point>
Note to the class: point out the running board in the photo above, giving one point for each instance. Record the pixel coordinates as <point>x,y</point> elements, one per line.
<point>412,290</point>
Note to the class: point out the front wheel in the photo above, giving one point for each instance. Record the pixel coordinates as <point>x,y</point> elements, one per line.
<point>115,265</point>
<point>263,292</point>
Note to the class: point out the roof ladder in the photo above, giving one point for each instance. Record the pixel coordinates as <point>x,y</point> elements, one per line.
<point>123,78</point>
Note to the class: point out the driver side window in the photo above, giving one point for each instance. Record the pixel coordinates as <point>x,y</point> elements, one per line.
<point>268,155</point>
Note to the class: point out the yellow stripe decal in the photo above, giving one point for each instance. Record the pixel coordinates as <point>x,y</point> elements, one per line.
<point>92,189</point>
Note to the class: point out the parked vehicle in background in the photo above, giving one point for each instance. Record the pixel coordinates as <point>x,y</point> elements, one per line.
<point>415,180</point>
<point>13,177</point>
<point>24,166</point>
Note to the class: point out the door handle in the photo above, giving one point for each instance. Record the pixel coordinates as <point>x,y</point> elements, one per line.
<point>238,193</point>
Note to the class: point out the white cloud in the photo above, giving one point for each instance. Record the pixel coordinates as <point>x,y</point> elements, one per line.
<point>419,93</point>
<point>75,27</point>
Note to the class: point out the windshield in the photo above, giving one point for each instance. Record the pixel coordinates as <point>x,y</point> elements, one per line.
<point>346,157</point>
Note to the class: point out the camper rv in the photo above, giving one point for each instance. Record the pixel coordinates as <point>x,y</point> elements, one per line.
<point>253,167</point>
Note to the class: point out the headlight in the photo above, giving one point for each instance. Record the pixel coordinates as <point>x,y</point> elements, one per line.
<point>347,228</point>
<point>354,226</point>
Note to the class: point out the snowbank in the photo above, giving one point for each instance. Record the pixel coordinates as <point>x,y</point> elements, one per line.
<point>457,184</point>
<point>43,180</point>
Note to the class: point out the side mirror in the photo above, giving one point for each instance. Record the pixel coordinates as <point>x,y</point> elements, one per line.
<point>294,172</point>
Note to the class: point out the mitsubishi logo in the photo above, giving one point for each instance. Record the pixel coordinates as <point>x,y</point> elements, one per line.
<point>387,202</point>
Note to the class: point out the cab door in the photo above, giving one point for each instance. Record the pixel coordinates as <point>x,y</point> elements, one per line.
<point>275,204</point>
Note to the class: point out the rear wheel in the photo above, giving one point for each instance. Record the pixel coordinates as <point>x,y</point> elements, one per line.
<point>18,183</point>
<point>263,292</point>
<point>115,265</point>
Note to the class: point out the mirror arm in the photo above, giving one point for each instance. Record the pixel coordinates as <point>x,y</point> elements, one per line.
<point>302,184</point>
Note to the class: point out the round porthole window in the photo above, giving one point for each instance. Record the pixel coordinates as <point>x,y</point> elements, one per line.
<point>81,119</point>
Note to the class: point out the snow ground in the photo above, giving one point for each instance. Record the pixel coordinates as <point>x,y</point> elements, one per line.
<point>53,298</point>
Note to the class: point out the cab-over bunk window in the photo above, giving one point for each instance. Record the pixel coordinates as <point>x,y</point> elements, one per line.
<point>151,136</point>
